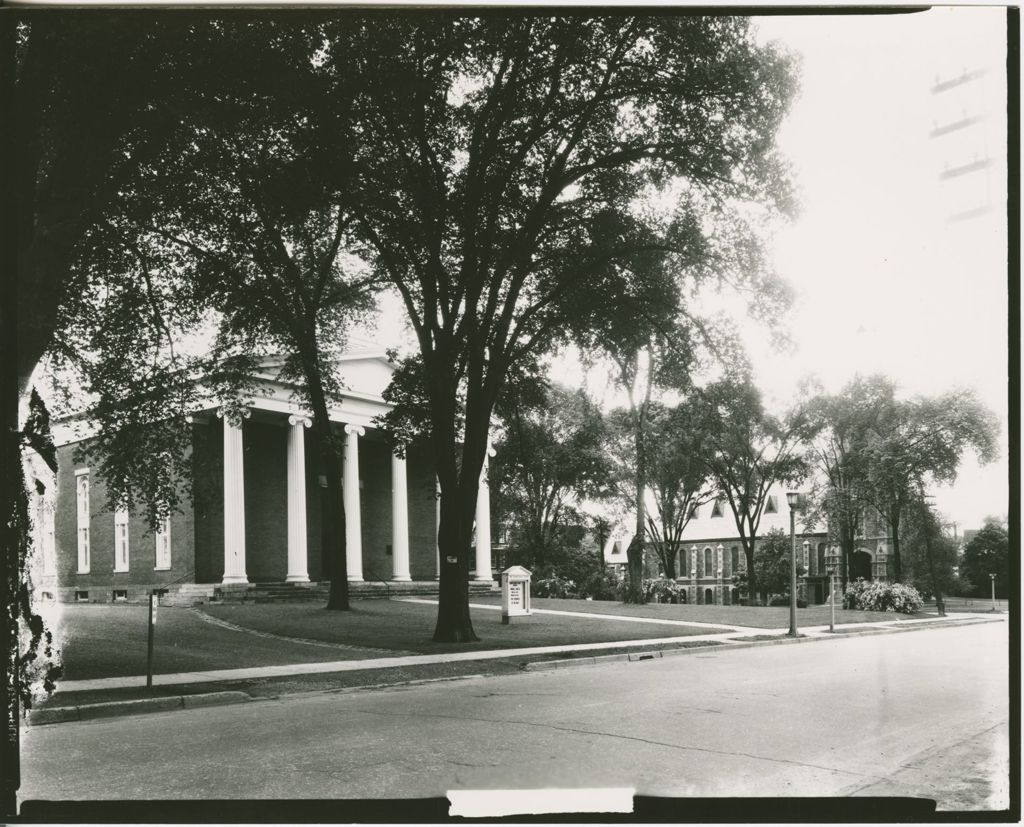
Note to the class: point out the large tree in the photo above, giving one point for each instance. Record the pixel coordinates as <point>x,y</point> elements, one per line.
<point>511,154</point>
<point>845,423</point>
<point>747,451</point>
<point>678,479</point>
<point>930,564</point>
<point>551,456</point>
<point>988,553</point>
<point>922,443</point>
<point>73,86</point>
<point>243,215</point>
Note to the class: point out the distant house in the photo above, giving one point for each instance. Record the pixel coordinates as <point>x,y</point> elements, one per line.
<point>711,552</point>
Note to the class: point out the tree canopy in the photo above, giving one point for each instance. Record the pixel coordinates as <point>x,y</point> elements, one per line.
<point>747,451</point>
<point>504,198</point>
<point>551,456</point>
<point>987,553</point>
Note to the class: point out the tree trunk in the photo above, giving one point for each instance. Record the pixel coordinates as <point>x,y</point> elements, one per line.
<point>332,522</point>
<point>459,489</point>
<point>333,528</point>
<point>897,563</point>
<point>670,563</point>
<point>15,550</point>
<point>635,552</point>
<point>13,380</point>
<point>748,553</point>
<point>454,623</point>
<point>936,586</point>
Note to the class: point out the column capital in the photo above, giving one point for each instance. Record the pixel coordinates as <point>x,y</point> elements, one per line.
<point>234,415</point>
<point>300,419</point>
<point>358,430</point>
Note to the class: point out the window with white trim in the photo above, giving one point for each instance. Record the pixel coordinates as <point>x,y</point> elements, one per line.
<point>163,545</point>
<point>121,540</point>
<point>82,498</point>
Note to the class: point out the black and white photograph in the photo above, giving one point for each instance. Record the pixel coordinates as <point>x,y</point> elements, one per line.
<point>417,413</point>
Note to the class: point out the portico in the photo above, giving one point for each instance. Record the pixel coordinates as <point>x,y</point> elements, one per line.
<point>258,503</point>
<point>376,489</point>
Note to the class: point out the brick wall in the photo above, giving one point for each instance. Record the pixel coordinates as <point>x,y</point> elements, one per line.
<point>208,500</point>
<point>102,580</point>
<point>422,514</point>
<point>266,500</point>
<point>197,535</point>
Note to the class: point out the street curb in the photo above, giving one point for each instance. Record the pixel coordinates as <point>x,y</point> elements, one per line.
<point>538,665</point>
<point>110,709</point>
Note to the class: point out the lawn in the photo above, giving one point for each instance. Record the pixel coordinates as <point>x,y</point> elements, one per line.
<point>101,641</point>
<point>758,617</point>
<point>398,625</point>
<point>106,641</point>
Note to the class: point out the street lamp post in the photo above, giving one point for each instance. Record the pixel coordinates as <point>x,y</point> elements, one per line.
<point>832,563</point>
<point>793,499</point>
<point>992,577</point>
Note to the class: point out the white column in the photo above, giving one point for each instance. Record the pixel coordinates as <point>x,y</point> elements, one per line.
<point>353,525</point>
<point>399,520</point>
<point>234,501</point>
<point>297,546</point>
<point>483,524</point>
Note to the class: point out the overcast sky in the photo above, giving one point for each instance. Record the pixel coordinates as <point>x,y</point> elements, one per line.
<point>887,280</point>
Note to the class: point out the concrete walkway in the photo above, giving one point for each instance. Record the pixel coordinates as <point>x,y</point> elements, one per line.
<point>735,635</point>
<point>600,616</point>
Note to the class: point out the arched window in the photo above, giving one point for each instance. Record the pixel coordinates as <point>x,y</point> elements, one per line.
<point>709,562</point>
<point>822,568</point>
<point>709,596</point>
<point>771,507</point>
<point>716,509</point>
<point>734,558</point>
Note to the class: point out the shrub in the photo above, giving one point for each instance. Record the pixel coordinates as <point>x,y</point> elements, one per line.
<point>603,585</point>
<point>877,596</point>
<point>554,586</point>
<point>663,591</point>
<point>783,600</point>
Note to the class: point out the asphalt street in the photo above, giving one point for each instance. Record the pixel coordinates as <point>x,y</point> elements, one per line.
<point>921,713</point>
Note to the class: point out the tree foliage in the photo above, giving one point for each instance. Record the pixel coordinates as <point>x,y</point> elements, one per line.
<point>550,458</point>
<point>747,451</point>
<point>921,444</point>
<point>771,570</point>
<point>844,425</point>
<point>510,153</point>
<point>239,224</point>
<point>987,553</point>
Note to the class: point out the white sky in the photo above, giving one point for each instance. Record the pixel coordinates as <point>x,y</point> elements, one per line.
<point>886,282</point>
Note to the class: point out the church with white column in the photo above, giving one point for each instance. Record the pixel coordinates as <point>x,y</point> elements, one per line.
<point>257,506</point>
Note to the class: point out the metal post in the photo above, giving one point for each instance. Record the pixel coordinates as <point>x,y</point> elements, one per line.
<point>792,573</point>
<point>993,578</point>
<point>149,644</point>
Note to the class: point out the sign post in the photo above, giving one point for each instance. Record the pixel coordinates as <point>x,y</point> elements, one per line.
<point>515,594</point>
<point>153,603</point>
